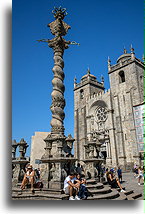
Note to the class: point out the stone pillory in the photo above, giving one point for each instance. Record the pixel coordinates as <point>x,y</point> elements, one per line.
<point>57,157</point>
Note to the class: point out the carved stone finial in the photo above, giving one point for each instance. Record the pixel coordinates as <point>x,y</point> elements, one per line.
<point>75,82</point>
<point>69,141</point>
<point>132,52</point>
<point>69,137</point>
<point>125,51</point>
<point>143,58</point>
<point>109,61</point>
<point>14,147</point>
<point>132,49</point>
<point>14,142</point>
<point>59,27</point>
<point>75,79</point>
<point>59,13</point>
<point>22,148</point>
<point>109,64</point>
<point>88,70</point>
<point>102,78</point>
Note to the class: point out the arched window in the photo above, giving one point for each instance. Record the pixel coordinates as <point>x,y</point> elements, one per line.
<point>81,94</point>
<point>121,77</point>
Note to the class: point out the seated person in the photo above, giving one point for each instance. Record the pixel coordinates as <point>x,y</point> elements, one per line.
<point>70,188</point>
<point>28,178</point>
<point>83,193</point>
<point>114,182</point>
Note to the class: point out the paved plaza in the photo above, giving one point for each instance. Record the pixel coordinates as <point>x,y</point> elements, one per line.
<point>130,182</point>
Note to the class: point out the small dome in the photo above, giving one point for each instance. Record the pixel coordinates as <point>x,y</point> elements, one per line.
<point>86,75</point>
<point>124,57</point>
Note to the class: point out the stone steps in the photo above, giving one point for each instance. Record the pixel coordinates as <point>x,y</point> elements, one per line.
<point>97,191</point>
<point>140,198</point>
<point>91,181</point>
<point>37,190</point>
<point>134,196</point>
<point>121,197</point>
<point>38,196</point>
<point>100,191</point>
<point>95,186</point>
<point>111,195</point>
<point>128,192</point>
<point>130,195</point>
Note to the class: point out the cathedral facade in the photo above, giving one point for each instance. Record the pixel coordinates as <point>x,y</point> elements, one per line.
<point>112,118</point>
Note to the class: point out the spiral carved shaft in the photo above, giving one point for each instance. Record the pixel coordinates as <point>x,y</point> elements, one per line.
<point>58,101</point>
<point>58,28</point>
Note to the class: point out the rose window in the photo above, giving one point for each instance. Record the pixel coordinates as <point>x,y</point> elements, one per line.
<point>101,114</point>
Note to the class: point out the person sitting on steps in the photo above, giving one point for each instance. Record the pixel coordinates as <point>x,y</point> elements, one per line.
<point>114,182</point>
<point>29,178</point>
<point>83,193</point>
<point>70,188</point>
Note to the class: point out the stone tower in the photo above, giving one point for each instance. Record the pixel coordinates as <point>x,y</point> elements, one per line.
<point>82,93</point>
<point>126,91</point>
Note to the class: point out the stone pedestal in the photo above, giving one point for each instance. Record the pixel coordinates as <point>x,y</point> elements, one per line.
<point>55,170</point>
<point>91,165</point>
<point>44,175</point>
<point>18,171</point>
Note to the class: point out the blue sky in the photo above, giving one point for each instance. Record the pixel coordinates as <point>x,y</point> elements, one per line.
<point>102,28</point>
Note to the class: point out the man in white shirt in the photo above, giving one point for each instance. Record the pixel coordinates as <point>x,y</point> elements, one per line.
<point>70,188</point>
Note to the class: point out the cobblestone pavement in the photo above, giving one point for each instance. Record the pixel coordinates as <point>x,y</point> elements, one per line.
<point>131,183</point>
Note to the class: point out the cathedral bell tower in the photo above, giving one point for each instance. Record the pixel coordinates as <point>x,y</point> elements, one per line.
<point>126,91</point>
<point>87,87</point>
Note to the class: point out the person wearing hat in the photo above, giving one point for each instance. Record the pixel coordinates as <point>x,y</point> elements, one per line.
<point>28,178</point>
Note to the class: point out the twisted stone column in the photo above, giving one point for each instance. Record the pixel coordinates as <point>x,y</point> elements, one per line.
<point>58,101</point>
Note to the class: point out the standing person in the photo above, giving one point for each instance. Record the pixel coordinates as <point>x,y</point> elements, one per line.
<point>135,170</point>
<point>119,172</point>
<point>29,178</point>
<point>140,175</point>
<point>70,188</point>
